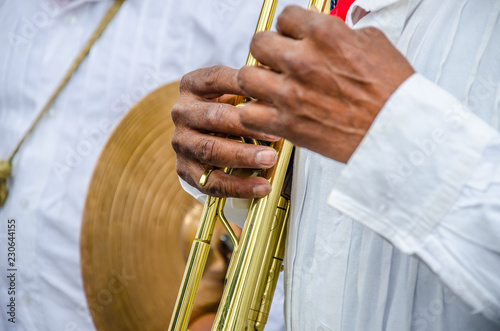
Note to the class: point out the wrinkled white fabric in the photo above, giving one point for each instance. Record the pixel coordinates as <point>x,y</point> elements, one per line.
<point>413,239</point>
<point>148,43</point>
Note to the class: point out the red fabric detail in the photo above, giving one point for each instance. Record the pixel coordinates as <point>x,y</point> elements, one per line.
<point>341,9</point>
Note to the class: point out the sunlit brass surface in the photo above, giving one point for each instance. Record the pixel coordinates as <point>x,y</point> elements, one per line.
<point>261,303</point>
<point>249,268</point>
<point>257,258</point>
<point>264,23</point>
<point>323,6</point>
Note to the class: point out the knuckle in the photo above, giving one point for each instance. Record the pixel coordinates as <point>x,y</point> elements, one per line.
<point>285,15</point>
<point>320,28</point>
<point>287,11</point>
<point>216,187</point>
<point>364,37</point>
<point>219,188</point>
<point>282,127</point>
<point>258,40</point>
<point>222,188</point>
<point>213,116</point>
<point>245,116</point>
<point>288,91</point>
<point>372,31</point>
<point>176,142</point>
<point>280,19</point>
<point>181,170</point>
<point>177,113</point>
<point>212,75</point>
<point>202,79</point>
<point>188,81</point>
<point>295,62</point>
<point>243,156</point>
<point>216,69</point>
<point>207,151</point>
<point>243,76</point>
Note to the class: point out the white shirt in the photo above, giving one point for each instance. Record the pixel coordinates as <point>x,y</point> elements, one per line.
<point>413,239</point>
<point>148,43</point>
<point>425,178</point>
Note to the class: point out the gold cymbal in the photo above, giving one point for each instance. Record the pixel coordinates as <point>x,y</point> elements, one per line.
<point>133,241</point>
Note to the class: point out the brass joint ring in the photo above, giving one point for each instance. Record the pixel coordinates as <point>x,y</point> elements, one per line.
<point>204,177</point>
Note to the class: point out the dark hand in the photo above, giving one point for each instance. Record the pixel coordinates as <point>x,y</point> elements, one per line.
<point>323,84</point>
<point>203,117</point>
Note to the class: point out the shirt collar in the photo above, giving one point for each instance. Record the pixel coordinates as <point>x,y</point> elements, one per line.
<point>373,5</point>
<point>387,15</point>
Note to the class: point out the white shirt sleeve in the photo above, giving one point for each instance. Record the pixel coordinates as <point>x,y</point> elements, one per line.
<point>427,177</point>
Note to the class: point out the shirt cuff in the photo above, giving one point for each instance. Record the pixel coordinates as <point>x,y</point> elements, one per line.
<point>412,164</point>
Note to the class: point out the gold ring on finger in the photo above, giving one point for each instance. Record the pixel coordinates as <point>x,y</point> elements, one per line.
<point>204,177</point>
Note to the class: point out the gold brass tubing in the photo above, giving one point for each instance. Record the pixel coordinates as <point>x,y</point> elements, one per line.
<point>269,273</point>
<point>226,224</point>
<point>191,279</point>
<point>279,253</point>
<point>220,212</point>
<point>257,258</point>
<point>327,6</point>
<point>263,313</point>
<point>264,23</point>
<point>208,219</point>
<point>274,270</point>
<point>320,4</point>
<point>271,265</point>
<point>238,292</point>
<point>195,266</point>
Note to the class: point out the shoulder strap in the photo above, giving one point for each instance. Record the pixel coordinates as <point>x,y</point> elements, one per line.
<point>6,166</point>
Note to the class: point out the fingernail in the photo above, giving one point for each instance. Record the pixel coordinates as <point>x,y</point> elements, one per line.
<point>269,137</point>
<point>261,190</point>
<point>266,158</point>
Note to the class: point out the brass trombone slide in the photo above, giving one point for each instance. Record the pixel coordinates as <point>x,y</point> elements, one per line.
<point>257,257</point>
